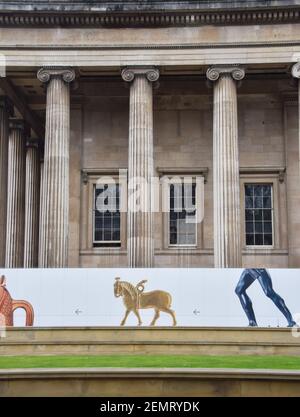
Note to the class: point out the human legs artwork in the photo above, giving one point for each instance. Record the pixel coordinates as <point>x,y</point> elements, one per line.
<point>266,284</point>
<point>247,278</point>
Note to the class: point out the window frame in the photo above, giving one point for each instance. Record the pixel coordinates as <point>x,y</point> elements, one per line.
<point>162,235</point>
<point>275,177</point>
<point>183,245</point>
<point>272,215</point>
<point>105,243</point>
<point>90,178</point>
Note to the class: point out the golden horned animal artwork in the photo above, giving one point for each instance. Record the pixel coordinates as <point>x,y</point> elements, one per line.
<point>135,298</point>
<point>8,306</point>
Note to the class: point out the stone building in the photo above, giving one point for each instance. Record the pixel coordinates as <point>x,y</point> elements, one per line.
<point>201,90</point>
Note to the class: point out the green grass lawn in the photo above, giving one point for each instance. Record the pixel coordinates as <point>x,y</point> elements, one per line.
<point>152,361</point>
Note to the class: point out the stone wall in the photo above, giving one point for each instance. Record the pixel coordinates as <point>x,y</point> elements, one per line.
<point>183,139</point>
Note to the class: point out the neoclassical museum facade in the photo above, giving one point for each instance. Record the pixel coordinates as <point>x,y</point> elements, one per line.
<point>96,95</point>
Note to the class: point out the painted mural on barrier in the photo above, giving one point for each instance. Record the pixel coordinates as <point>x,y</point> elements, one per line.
<point>162,297</point>
<point>8,307</point>
<point>136,299</point>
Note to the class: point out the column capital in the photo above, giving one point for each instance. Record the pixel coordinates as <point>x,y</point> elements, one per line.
<point>46,73</point>
<point>32,143</point>
<point>215,72</point>
<point>296,70</point>
<point>151,73</point>
<point>7,104</point>
<point>15,123</point>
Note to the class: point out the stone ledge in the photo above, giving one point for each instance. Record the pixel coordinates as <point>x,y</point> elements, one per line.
<point>145,342</point>
<point>159,373</point>
<point>159,382</point>
<point>150,340</point>
<point>151,328</point>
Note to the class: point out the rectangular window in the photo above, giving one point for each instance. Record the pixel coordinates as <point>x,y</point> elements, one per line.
<point>182,220</point>
<point>259,214</point>
<point>106,216</point>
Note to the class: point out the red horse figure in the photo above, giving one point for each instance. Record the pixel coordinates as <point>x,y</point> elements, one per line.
<point>8,306</point>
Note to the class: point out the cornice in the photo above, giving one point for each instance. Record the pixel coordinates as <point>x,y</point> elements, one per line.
<point>144,5</point>
<point>147,14</point>
<point>217,45</point>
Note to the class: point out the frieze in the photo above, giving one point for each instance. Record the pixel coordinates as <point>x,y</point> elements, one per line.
<point>146,14</point>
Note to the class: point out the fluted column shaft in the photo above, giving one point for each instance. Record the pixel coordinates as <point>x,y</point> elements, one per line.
<point>55,221</point>
<point>15,196</point>
<point>5,111</point>
<point>32,196</point>
<point>42,211</point>
<point>227,245</point>
<point>140,245</point>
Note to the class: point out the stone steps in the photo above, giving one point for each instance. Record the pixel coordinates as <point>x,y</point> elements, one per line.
<point>149,340</point>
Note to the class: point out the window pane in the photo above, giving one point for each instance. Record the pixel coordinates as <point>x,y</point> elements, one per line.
<point>249,202</point>
<point>258,190</point>
<point>258,239</point>
<point>266,191</point>
<point>173,238</point>
<point>249,239</point>
<point>268,240</point>
<point>258,215</point>
<point>107,235</point>
<point>249,227</point>
<point>116,235</point>
<point>258,222</point>
<point>249,215</point>
<point>107,220</point>
<point>258,202</point>
<point>249,190</point>
<point>258,227</point>
<point>267,202</point>
<point>268,227</point>
<point>116,221</point>
<point>267,215</point>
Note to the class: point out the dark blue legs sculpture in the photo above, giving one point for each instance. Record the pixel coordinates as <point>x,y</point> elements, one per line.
<point>247,278</point>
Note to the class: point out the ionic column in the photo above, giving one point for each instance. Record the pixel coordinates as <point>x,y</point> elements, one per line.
<point>6,110</point>
<point>296,74</point>
<point>227,245</point>
<point>55,221</point>
<point>32,196</point>
<point>15,195</point>
<point>140,244</point>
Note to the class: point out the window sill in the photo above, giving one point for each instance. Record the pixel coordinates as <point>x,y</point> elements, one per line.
<point>184,250</point>
<point>265,251</point>
<point>103,251</point>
